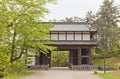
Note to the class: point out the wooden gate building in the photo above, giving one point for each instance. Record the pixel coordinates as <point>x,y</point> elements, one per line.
<point>75,37</point>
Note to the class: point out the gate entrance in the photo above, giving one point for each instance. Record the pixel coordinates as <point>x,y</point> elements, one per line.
<point>80,55</point>
<point>75,37</point>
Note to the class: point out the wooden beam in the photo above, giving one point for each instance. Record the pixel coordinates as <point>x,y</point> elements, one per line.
<point>79,56</point>
<point>90,58</point>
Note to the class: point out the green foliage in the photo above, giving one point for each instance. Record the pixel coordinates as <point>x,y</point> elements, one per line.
<point>4,64</point>
<point>116,50</point>
<point>113,62</point>
<point>106,22</point>
<point>21,31</point>
<point>18,66</point>
<point>2,74</point>
<point>95,54</point>
<point>98,62</point>
<point>4,60</point>
<point>60,58</point>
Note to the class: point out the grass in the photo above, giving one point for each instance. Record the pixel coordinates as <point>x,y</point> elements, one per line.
<point>19,75</point>
<point>112,62</point>
<point>98,62</point>
<point>110,75</point>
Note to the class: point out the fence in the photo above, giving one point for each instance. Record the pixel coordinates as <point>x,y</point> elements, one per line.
<point>42,67</point>
<point>84,67</point>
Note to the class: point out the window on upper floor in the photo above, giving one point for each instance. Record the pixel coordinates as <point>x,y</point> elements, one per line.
<point>70,36</point>
<point>62,35</point>
<point>86,36</point>
<point>78,36</point>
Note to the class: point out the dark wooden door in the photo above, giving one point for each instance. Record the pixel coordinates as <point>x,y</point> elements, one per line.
<point>75,57</point>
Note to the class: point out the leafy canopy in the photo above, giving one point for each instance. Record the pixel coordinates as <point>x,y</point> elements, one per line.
<point>21,29</point>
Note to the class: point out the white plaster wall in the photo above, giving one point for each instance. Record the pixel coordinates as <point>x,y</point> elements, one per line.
<point>70,37</point>
<point>62,37</point>
<point>86,36</point>
<point>78,37</point>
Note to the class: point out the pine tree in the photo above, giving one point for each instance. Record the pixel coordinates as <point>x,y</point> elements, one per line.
<point>106,22</point>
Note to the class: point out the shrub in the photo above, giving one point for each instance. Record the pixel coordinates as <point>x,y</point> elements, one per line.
<point>60,58</point>
<point>2,74</point>
<point>18,66</point>
<point>4,64</point>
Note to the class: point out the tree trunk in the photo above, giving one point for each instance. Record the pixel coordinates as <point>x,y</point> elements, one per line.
<point>104,64</point>
<point>13,47</point>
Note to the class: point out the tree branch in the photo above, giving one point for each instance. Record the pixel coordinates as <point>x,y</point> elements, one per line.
<point>21,53</point>
<point>11,24</point>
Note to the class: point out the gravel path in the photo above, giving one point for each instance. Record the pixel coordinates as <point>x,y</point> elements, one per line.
<point>62,74</point>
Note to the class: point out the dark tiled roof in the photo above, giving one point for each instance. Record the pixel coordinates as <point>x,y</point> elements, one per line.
<point>70,26</point>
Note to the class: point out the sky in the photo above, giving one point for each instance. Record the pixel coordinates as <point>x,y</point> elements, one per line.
<point>71,8</point>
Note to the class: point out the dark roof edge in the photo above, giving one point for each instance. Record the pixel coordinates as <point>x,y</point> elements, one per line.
<point>64,23</point>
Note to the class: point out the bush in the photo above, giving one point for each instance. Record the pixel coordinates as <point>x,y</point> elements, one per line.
<point>4,64</point>
<point>18,66</point>
<point>2,74</point>
<point>60,58</point>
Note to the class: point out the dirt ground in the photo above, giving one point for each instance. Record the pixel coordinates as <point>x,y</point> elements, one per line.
<point>62,74</point>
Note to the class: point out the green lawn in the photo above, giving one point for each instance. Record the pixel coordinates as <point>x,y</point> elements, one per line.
<point>112,62</point>
<point>111,75</point>
<point>19,75</point>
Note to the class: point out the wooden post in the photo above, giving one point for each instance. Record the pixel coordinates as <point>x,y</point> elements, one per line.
<point>70,58</point>
<point>49,59</point>
<point>105,64</point>
<point>90,56</point>
<point>79,56</point>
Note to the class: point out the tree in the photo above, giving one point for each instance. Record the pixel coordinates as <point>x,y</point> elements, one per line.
<point>21,28</point>
<point>104,53</point>
<point>106,22</point>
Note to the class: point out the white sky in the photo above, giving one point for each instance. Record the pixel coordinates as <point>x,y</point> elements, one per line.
<point>70,8</point>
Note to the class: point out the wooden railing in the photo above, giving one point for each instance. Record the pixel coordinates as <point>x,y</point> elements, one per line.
<point>84,67</point>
